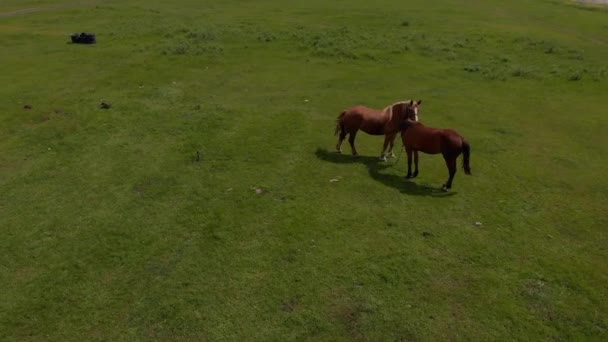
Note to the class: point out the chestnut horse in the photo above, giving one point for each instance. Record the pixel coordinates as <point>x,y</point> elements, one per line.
<point>418,137</point>
<point>375,122</point>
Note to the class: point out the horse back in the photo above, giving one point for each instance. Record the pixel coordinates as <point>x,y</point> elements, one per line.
<point>366,112</point>
<point>422,138</point>
<point>452,137</point>
<point>369,120</point>
<point>432,140</point>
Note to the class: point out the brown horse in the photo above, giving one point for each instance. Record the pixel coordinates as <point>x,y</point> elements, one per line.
<point>418,137</point>
<point>375,122</point>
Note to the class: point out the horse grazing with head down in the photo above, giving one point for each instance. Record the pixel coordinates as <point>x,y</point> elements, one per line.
<point>375,122</point>
<point>418,137</point>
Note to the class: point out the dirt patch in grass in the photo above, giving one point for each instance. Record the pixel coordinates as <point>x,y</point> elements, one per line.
<point>350,317</point>
<point>290,305</point>
<point>350,313</point>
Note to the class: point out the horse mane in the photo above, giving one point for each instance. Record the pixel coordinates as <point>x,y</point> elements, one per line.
<point>389,110</point>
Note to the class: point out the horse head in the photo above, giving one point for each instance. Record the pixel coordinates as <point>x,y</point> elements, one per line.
<point>411,110</point>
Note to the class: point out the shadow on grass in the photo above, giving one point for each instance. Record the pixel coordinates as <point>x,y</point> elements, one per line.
<point>375,167</point>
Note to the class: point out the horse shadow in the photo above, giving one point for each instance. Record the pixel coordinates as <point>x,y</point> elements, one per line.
<point>375,167</point>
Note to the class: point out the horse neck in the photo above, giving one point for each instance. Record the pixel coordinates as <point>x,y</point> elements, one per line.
<point>408,124</point>
<point>391,117</point>
<point>403,104</point>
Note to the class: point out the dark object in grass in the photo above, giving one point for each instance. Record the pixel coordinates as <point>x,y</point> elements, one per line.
<point>27,107</point>
<point>105,105</point>
<point>83,38</point>
<point>427,234</point>
<point>198,156</point>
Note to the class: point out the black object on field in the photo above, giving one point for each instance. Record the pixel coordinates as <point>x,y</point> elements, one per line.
<point>83,38</point>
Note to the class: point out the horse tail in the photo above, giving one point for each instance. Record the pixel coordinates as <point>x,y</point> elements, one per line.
<point>339,123</point>
<point>466,151</point>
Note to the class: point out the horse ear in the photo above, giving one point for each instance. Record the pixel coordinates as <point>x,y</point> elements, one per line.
<point>419,102</point>
<point>411,102</point>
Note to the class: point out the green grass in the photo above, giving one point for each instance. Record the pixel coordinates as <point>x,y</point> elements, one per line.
<point>111,230</point>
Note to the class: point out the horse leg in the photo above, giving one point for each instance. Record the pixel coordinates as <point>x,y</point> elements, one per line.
<point>351,140</point>
<point>409,163</point>
<point>450,161</point>
<point>386,142</point>
<point>415,164</point>
<point>340,140</point>
<point>391,153</point>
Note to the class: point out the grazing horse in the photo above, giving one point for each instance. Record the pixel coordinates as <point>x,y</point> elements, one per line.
<point>418,137</point>
<point>375,122</point>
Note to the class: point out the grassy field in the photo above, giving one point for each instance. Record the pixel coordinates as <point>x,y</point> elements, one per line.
<point>112,230</point>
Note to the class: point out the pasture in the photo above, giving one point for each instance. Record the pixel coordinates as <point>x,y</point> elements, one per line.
<point>113,229</point>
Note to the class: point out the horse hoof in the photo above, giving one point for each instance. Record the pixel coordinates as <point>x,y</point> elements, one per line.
<point>408,177</point>
<point>383,158</point>
<point>444,188</point>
